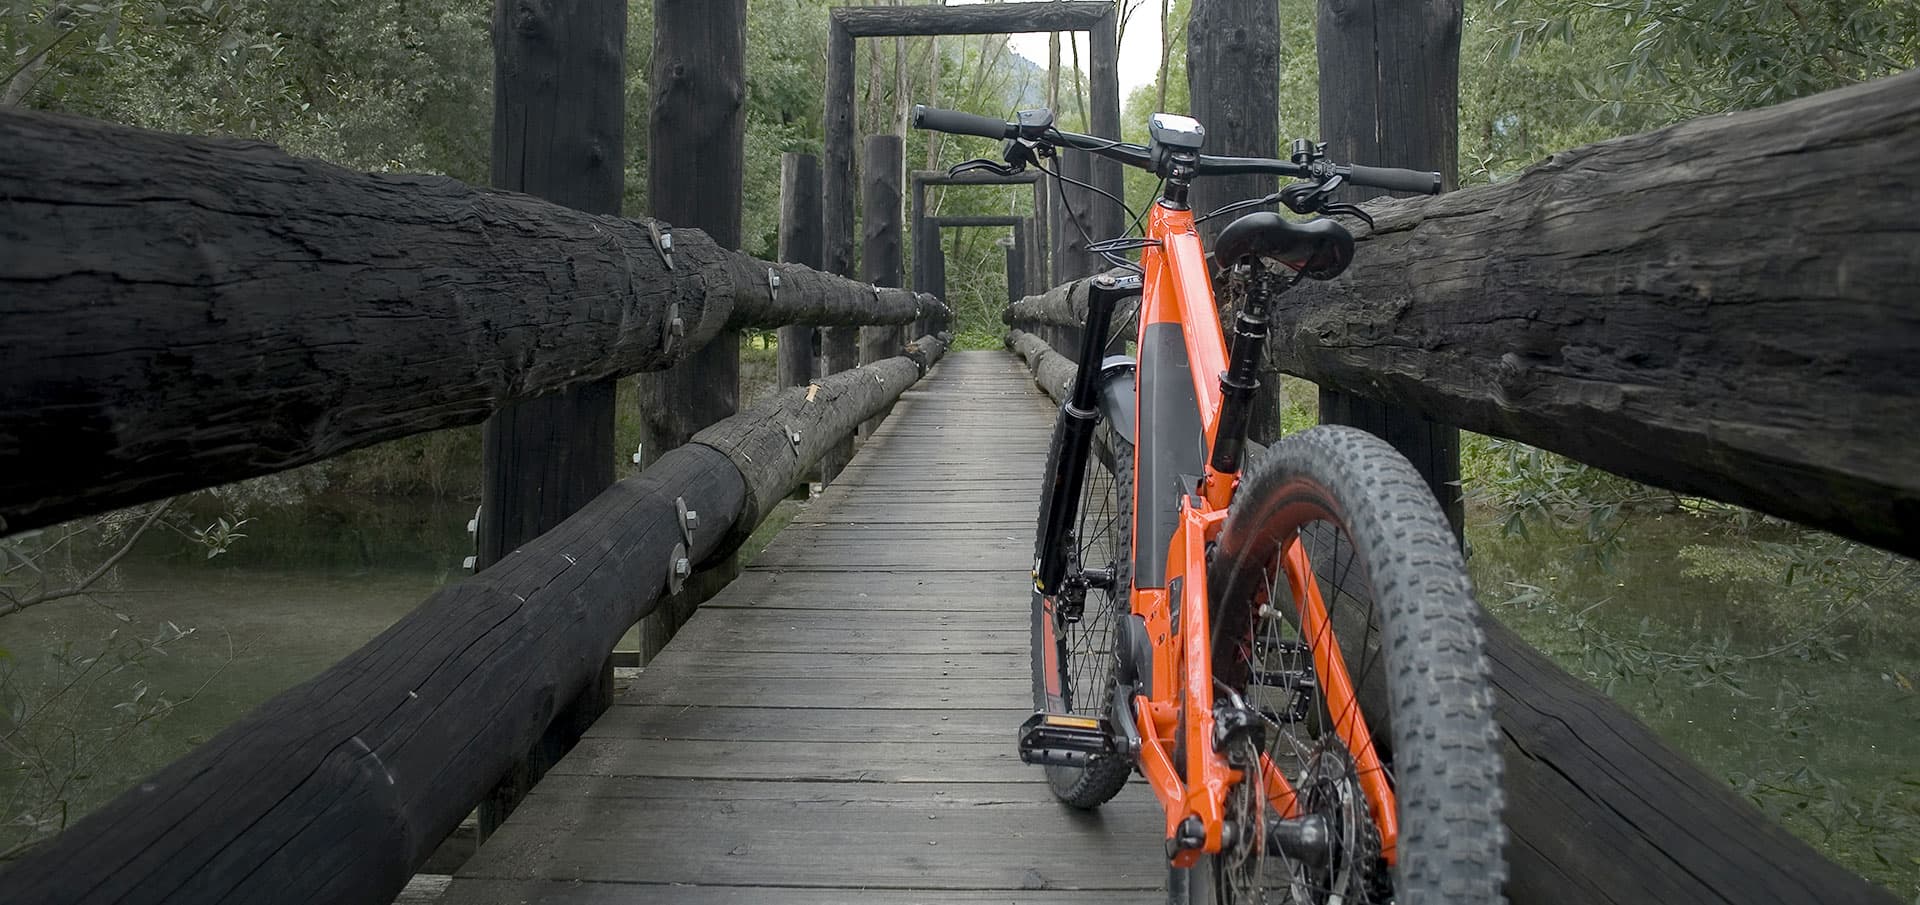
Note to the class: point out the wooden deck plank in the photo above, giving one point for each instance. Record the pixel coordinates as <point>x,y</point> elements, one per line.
<point>838,724</point>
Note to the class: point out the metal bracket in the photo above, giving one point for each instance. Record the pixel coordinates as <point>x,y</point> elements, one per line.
<point>662,242</point>
<point>678,568</point>
<point>673,328</point>
<point>773,285</point>
<point>689,519</point>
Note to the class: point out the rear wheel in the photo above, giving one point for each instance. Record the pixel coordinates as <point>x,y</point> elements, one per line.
<point>1074,631</point>
<point>1399,616</point>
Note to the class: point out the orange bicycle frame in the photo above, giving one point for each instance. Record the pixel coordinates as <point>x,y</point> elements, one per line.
<point>1176,711</point>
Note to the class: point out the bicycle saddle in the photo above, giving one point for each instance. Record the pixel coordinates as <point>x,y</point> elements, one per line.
<point>1319,249</point>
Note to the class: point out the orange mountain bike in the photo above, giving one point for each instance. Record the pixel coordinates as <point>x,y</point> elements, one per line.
<point>1288,654</point>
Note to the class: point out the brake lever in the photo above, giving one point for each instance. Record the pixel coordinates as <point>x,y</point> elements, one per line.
<point>983,163</point>
<point>1317,198</point>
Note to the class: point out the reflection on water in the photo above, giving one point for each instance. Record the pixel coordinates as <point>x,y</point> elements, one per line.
<point>308,585</point>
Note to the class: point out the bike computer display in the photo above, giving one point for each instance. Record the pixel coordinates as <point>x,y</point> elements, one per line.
<point>1175,131</point>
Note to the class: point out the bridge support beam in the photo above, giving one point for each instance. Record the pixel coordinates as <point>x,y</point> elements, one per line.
<point>559,115</point>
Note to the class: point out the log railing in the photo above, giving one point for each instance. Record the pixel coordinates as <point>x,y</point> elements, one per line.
<point>185,312</point>
<point>337,789</point>
<point>1723,308</point>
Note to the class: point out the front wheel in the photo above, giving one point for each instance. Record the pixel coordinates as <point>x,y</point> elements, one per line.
<point>1073,639</point>
<point>1343,613</point>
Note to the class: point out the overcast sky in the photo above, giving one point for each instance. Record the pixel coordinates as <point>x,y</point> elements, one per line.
<point>1139,47</point>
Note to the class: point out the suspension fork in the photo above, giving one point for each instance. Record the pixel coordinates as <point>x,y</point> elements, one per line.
<point>1078,416</point>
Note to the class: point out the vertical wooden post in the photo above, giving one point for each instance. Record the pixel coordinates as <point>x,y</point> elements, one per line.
<point>937,276</point>
<point>839,346</point>
<point>837,156</point>
<point>1233,78</point>
<point>1074,221</point>
<point>1389,96</point>
<point>880,251</point>
<point>1016,268</point>
<point>799,244</point>
<point>1040,271</point>
<point>1105,219</point>
<point>695,170</point>
<point>559,113</point>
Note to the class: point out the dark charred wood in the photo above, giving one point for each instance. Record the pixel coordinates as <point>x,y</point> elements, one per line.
<point>1064,305</point>
<point>1389,96</point>
<point>1233,79</point>
<point>1107,218</point>
<point>1005,19</point>
<point>1601,810</point>
<point>799,244</point>
<point>1052,371</point>
<point>369,307</point>
<point>781,438</point>
<point>881,254</point>
<point>336,790</point>
<point>837,153</point>
<point>695,174</point>
<point>1739,328</point>
<point>558,131</point>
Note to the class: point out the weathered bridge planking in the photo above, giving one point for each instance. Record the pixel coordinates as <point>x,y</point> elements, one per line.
<point>837,725</point>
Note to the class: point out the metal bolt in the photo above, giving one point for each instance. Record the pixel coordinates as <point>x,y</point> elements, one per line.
<point>693,520</point>
<point>682,568</point>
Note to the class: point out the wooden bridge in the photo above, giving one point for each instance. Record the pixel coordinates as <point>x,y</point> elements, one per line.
<point>836,723</point>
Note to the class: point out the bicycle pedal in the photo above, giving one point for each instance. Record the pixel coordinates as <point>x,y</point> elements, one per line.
<point>1064,740</point>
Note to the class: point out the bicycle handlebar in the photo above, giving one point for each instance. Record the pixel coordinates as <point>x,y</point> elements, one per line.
<point>955,122</point>
<point>958,123</point>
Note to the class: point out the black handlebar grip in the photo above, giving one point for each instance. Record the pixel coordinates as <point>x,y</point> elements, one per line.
<point>1395,180</point>
<point>957,123</point>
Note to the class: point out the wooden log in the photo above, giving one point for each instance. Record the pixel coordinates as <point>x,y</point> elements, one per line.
<point>1040,268</point>
<point>695,175</point>
<point>1064,305</point>
<point>1105,217</point>
<point>559,123</point>
<point>336,790</point>
<point>1052,371</point>
<point>1233,80</point>
<point>377,306</point>
<point>696,165</point>
<point>1074,222</point>
<point>846,24</point>
<point>789,432</point>
<point>881,258</point>
<point>1389,96</point>
<point>1016,271</point>
<point>1003,19</point>
<point>1601,810</point>
<point>837,153</point>
<point>799,244</point>
<point>1740,327</point>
